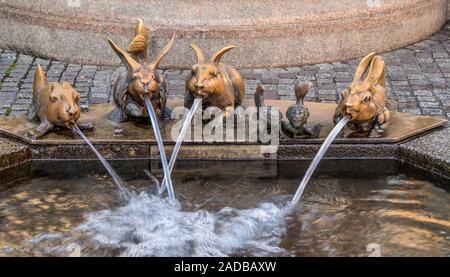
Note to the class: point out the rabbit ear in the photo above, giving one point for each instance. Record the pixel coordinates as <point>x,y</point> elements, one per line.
<point>218,55</point>
<point>163,52</point>
<point>376,71</point>
<point>362,67</point>
<point>40,81</point>
<point>198,52</point>
<point>140,41</point>
<point>127,60</point>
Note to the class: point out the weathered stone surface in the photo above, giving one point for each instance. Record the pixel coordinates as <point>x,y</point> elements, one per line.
<point>418,77</point>
<point>267,33</point>
<point>338,151</point>
<point>431,151</point>
<point>12,153</point>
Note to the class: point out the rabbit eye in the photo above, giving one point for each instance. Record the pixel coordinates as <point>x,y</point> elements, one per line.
<point>366,99</point>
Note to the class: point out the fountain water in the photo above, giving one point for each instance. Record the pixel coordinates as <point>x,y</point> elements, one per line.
<point>176,149</point>
<point>151,226</point>
<point>162,153</point>
<point>323,149</point>
<point>116,179</point>
<point>161,228</point>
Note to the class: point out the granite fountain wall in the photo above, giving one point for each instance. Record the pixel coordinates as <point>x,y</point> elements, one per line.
<point>268,33</point>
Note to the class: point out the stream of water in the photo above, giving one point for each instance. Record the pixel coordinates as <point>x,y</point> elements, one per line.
<point>319,156</point>
<point>176,149</point>
<point>162,152</point>
<point>114,176</point>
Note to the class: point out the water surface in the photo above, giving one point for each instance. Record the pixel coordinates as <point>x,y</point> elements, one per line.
<point>224,210</point>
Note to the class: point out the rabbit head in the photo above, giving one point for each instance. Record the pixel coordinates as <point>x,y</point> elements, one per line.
<point>59,101</point>
<point>206,77</point>
<point>365,95</point>
<point>144,80</point>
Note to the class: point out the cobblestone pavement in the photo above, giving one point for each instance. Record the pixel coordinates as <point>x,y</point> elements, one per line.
<point>418,78</point>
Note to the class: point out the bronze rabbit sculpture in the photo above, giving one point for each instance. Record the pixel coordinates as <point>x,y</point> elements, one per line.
<point>54,104</point>
<point>365,99</point>
<point>140,80</point>
<point>218,84</point>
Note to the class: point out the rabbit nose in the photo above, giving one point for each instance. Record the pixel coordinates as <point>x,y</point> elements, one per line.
<point>72,111</point>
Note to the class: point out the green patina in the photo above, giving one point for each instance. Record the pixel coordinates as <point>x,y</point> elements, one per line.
<point>8,111</point>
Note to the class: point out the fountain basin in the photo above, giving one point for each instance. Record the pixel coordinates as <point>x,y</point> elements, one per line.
<point>365,193</point>
<point>138,140</point>
<point>270,33</point>
<point>347,206</point>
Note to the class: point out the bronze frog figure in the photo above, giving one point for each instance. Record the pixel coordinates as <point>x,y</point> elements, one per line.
<point>140,80</point>
<point>218,84</point>
<point>365,99</point>
<point>54,104</point>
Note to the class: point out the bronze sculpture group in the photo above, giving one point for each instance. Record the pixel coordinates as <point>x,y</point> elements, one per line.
<point>217,84</point>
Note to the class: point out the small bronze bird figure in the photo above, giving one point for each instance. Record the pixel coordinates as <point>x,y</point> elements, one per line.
<point>298,114</point>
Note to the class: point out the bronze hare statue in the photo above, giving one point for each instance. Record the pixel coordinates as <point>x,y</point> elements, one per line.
<point>218,84</point>
<point>54,104</point>
<point>298,114</point>
<point>365,99</point>
<point>140,80</point>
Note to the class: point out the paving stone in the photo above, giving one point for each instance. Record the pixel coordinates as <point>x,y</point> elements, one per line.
<point>418,77</point>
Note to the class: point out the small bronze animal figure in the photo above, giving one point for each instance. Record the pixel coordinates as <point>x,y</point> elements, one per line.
<point>365,99</point>
<point>260,103</point>
<point>298,115</point>
<point>54,104</point>
<point>218,84</point>
<point>140,80</point>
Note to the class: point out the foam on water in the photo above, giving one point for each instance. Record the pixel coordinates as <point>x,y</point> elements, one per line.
<point>151,226</point>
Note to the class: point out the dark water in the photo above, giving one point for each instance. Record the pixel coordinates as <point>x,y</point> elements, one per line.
<point>234,208</point>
